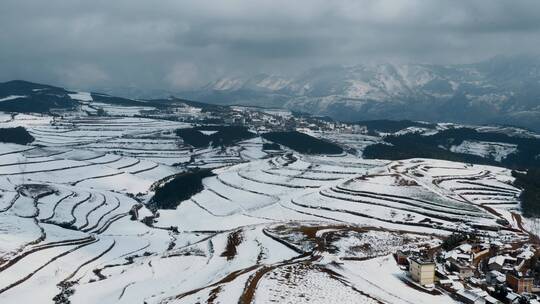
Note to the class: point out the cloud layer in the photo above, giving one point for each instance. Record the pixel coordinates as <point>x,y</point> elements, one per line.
<point>177,45</point>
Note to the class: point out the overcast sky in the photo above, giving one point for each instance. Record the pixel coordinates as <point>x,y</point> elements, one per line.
<point>177,45</point>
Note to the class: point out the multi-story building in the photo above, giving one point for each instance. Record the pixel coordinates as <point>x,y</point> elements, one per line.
<point>422,271</point>
<point>519,282</point>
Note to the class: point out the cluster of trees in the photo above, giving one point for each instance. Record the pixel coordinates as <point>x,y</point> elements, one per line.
<point>436,146</point>
<point>530,196</point>
<point>271,146</point>
<point>454,240</point>
<point>17,135</point>
<point>223,136</point>
<point>179,189</point>
<point>303,143</point>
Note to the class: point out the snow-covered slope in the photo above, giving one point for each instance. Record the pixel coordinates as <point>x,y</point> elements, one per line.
<point>79,223</point>
<point>265,228</point>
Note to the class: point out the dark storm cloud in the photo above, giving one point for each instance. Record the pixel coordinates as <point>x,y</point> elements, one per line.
<point>173,44</point>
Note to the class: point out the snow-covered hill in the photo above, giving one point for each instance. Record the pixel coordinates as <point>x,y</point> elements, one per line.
<point>267,226</point>
<point>81,222</point>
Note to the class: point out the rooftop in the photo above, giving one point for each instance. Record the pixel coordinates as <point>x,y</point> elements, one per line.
<point>422,261</point>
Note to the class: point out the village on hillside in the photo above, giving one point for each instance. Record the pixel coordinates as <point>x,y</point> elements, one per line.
<point>476,271</point>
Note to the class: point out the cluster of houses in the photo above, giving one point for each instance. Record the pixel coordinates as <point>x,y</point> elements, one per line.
<point>477,273</point>
<point>281,120</point>
<point>260,119</point>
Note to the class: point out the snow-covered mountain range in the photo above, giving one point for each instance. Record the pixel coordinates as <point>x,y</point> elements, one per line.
<point>501,90</point>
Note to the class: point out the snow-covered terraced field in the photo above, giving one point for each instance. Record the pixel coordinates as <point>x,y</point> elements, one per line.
<point>352,193</point>
<point>493,150</point>
<point>351,140</point>
<point>265,228</point>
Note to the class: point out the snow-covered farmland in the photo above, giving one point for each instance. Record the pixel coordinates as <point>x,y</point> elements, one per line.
<point>280,227</point>
<point>493,150</point>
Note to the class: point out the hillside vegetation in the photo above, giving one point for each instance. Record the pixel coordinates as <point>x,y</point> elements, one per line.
<point>223,136</point>
<point>17,135</point>
<point>303,143</point>
<point>179,189</point>
<point>438,146</point>
<point>530,197</point>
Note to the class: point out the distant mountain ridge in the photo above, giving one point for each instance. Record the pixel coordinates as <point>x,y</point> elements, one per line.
<point>22,96</point>
<point>503,90</point>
